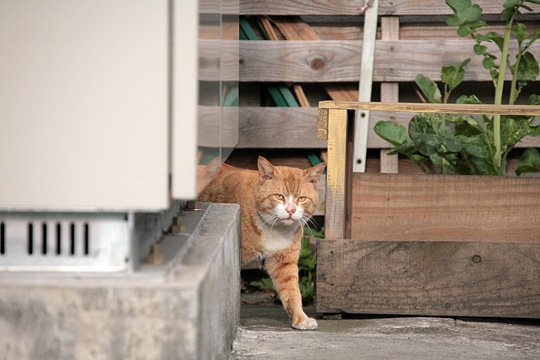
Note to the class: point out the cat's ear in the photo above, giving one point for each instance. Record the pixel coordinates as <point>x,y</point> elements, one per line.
<point>266,170</point>
<point>314,173</point>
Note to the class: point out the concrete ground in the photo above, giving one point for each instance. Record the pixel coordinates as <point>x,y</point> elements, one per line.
<point>265,333</point>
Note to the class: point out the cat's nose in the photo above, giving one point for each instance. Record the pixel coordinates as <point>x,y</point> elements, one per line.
<point>291,211</point>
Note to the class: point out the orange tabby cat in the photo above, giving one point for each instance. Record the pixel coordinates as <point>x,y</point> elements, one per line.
<point>275,203</point>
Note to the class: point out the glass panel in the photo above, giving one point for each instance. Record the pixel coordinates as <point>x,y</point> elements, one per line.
<point>210,92</point>
<point>230,75</point>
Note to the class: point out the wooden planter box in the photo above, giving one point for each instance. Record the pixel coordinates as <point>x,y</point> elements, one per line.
<point>426,244</point>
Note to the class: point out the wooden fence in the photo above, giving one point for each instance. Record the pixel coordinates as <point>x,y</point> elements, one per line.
<point>326,50</point>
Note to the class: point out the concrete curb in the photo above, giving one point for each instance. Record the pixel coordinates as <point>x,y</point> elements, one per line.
<point>186,309</point>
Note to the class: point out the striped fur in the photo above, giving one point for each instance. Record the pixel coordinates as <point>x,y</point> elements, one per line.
<point>275,203</point>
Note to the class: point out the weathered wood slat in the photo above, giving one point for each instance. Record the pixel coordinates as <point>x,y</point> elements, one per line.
<point>293,28</point>
<point>273,127</point>
<point>390,30</point>
<point>272,35</point>
<point>267,127</point>
<point>347,7</point>
<point>408,31</point>
<point>339,60</point>
<point>427,278</point>
<point>218,60</point>
<point>336,179</point>
<point>522,110</point>
<point>445,208</point>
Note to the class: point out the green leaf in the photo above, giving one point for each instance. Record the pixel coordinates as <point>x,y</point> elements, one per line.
<point>494,74</point>
<point>406,149</point>
<point>520,32</point>
<point>430,134</point>
<point>480,49</point>
<point>534,99</point>
<point>421,161</point>
<point>464,12</point>
<point>527,68</point>
<point>508,4</point>
<point>467,29</point>
<point>453,75</point>
<point>513,129</point>
<point>489,61</point>
<point>423,134</point>
<point>437,160</point>
<point>429,89</point>
<point>464,99</point>
<point>395,134</point>
<point>474,145</point>
<point>492,37</point>
<point>466,126</point>
<point>483,166</point>
<point>528,162</point>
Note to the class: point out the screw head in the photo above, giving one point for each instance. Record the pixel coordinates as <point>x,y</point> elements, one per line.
<point>476,259</point>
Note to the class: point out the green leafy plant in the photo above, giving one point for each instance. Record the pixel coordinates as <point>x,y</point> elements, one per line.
<point>441,143</point>
<point>306,268</point>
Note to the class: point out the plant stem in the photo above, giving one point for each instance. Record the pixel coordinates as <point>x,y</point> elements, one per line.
<point>513,87</point>
<point>499,94</point>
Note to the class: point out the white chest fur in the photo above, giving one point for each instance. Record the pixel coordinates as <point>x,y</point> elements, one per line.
<point>277,238</point>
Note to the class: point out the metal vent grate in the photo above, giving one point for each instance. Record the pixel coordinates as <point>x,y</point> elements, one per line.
<point>2,238</point>
<point>71,241</point>
<point>57,239</point>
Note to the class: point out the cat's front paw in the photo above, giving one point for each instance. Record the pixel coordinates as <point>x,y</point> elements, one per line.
<point>306,324</point>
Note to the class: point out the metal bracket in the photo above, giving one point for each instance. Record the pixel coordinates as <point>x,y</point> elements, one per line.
<point>361,121</point>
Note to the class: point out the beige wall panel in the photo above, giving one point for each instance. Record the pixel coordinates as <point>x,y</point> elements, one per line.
<point>83,104</point>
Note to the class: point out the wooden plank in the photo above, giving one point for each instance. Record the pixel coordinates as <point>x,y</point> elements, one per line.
<point>336,181</point>
<point>338,61</point>
<point>278,128</point>
<point>347,7</point>
<point>342,92</point>
<point>267,25</point>
<point>273,127</point>
<point>524,110</point>
<point>268,28</point>
<point>293,28</point>
<point>300,95</point>
<point>389,91</point>
<point>426,278</point>
<point>445,208</point>
<point>408,31</point>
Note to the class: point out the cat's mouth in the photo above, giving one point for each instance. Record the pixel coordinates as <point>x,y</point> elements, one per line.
<point>288,221</point>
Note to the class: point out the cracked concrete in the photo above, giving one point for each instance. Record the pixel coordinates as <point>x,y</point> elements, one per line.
<point>265,334</point>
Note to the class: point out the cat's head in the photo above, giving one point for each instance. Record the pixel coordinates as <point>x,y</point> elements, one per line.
<point>287,195</point>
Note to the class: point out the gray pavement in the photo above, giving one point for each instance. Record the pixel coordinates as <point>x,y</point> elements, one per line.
<point>265,333</point>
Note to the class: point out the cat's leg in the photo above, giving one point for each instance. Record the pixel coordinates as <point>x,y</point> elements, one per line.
<point>283,270</point>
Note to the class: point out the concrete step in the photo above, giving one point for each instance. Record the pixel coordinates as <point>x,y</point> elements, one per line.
<point>187,308</point>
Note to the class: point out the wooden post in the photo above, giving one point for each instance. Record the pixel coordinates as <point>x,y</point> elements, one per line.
<point>389,91</point>
<point>335,219</point>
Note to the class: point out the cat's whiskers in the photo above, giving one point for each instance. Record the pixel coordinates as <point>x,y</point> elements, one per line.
<point>275,219</point>
<point>307,220</point>
<point>310,220</point>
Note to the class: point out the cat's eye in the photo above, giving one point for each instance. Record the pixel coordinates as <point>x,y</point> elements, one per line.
<point>302,198</point>
<point>280,197</point>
